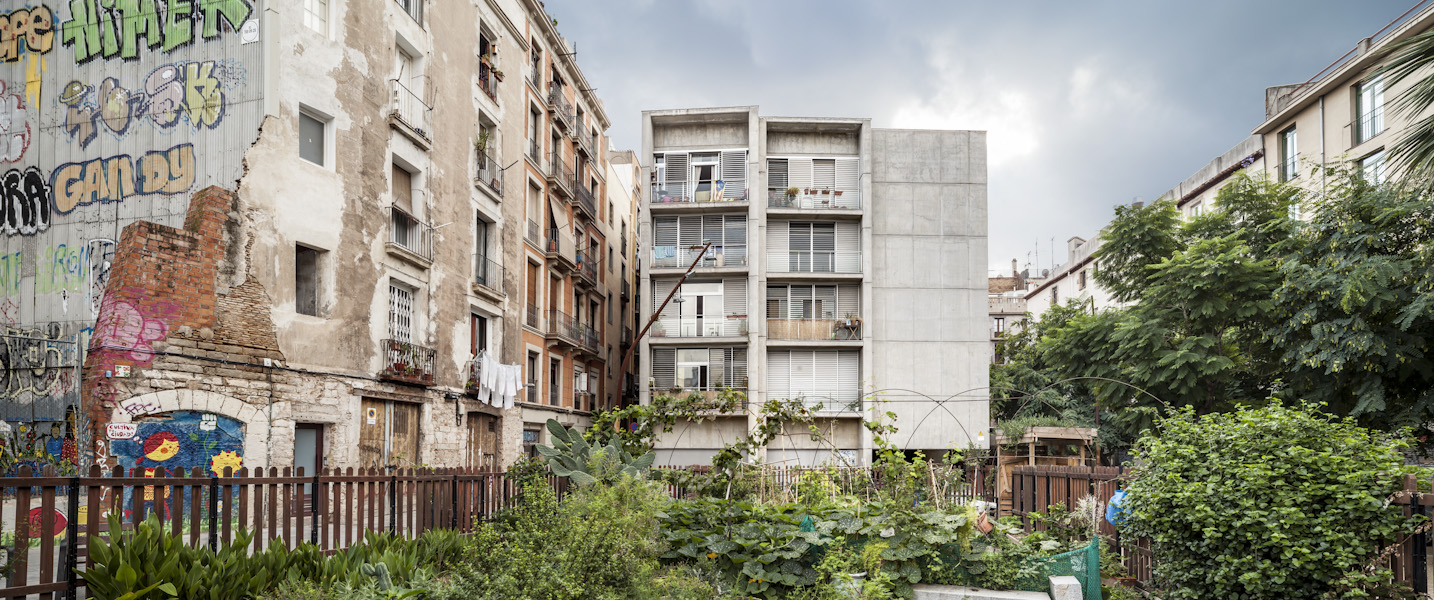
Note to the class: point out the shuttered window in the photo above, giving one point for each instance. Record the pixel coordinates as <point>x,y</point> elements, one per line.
<point>699,368</point>
<point>734,174</point>
<point>400,313</point>
<point>675,181</point>
<point>777,174</point>
<point>811,176</point>
<point>812,301</point>
<point>828,378</point>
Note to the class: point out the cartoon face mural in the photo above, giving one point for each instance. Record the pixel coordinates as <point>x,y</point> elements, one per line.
<point>176,442</point>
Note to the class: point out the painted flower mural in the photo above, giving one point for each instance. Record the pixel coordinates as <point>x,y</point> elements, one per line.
<point>175,443</point>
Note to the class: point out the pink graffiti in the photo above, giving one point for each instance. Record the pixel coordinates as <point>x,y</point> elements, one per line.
<point>14,126</point>
<point>123,329</point>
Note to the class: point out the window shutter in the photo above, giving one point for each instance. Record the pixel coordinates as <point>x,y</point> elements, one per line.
<point>849,379</point>
<point>799,173</point>
<point>712,229</point>
<point>676,174</point>
<point>778,375</point>
<point>716,366</point>
<point>666,234</point>
<point>799,237</point>
<point>776,302</point>
<point>734,302</point>
<point>739,368</point>
<point>848,237</point>
<point>826,297</point>
<point>824,367</point>
<point>734,174</point>
<point>660,289</point>
<point>734,231</point>
<point>402,189</point>
<point>848,179</point>
<point>824,173</point>
<point>778,234</point>
<point>777,173</point>
<point>848,300</point>
<point>802,375</point>
<point>689,233</point>
<point>664,367</point>
<point>801,307</point>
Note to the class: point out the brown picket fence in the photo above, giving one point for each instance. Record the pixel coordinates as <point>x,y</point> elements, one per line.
<point>332,509</point>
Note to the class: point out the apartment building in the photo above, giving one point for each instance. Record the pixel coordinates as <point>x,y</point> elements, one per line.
<point>832,263</point>
<point>1072,280</point>
<point>1338,117</point>
<point>626,187</point>
<point>284,233</point>
<point>1196,195</point>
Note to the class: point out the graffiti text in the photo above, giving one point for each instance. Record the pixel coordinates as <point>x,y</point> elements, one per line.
<point>113,179</point>
<point>34,27</point>
<point>25,202</point>
<point>113,28</point>
<point>192,91</point>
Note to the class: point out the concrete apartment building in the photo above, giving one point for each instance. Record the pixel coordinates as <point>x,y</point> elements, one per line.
<point>279,233</point>
<point>846,270</point>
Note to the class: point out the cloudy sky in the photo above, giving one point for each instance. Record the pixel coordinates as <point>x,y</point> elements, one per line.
<point>1088,104</point>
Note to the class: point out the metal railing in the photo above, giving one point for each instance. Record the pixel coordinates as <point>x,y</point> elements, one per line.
<point>588,267</point>
<point>815,199</point>
<point>584,141</point>
<point>590,338</point>
<point>582,401</point>
<point>535,152</point>
<point>472,374</point>
<point>684,193</point>
<point>535,75</point>
<point>561,174</point>
<point>717,256</point>
<point>488,273</point>
<point>814,261</point>
<point>535,234</point>
<point>560,245</point>
<point>1366,127</point>
<point>562,109</point>
<point>533,318</point>
<point>814,329</point>
<point>490,172</point>
<point>407,232</point>
<point>586,202</point>
<point>626,336</point>
<point>822,400</point>
<point>407,362</point>
<point>563,326</point>
<point>414,8</point>
<point>690,327</point>
<point>410,108</point>
<point>487,81</point>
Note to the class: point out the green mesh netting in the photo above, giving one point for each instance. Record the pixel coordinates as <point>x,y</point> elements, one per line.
<point>1083,564</point>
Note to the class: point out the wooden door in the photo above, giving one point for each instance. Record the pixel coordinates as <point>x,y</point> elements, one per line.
<point>482,440</point>
<point>373,434</point>
<point>404,442</point>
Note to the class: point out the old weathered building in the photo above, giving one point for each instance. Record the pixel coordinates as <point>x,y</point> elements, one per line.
<point>396,203</point>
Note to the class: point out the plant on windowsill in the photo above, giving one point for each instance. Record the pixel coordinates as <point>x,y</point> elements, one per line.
<point>486,59</point>
<point>792,193</point>
<point>498,74</point>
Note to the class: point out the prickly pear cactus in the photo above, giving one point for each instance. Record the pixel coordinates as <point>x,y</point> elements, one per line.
<point>380,574</point>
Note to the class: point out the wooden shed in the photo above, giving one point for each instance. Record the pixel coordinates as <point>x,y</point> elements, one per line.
<point>1045,446</point>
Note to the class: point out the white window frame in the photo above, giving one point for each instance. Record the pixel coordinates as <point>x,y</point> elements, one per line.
<point>1369,109</point>
<point>1374,162</point>
<point>1289,154</point>
<point>326,121</point>
<point>401,326</point>
<point>316,15</point>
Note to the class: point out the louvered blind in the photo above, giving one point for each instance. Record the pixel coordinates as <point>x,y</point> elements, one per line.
<point>848,300</point>
<point>849,379</point>
<point>778,374</point>
<point>848,175</point>
<point>665,231</point>
<point>676,163</point>
<point>777,237</point>
<point>689,231</point>
<point>799,173</point>
<point>734,230</point>
<point>664,367</point>
<point>824,173</point>
<point>734,296</point>
<point>738,367</point>
<point>660,289</point>
<point>734,173</point>
<point>777,173</point>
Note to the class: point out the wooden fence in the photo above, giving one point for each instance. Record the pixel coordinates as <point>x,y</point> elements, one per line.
<point>332,509</point>
<point>1036,489</point>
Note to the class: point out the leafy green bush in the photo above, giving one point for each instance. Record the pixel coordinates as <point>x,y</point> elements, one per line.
<point>1273,502</point>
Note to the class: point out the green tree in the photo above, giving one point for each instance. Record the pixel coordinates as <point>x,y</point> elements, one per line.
<point>1408,61</point>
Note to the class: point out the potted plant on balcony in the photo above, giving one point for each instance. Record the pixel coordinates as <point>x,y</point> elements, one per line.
<point>486,59</point>
<point>658,330</point>
<point>498,74</point>
<point>792,193</point>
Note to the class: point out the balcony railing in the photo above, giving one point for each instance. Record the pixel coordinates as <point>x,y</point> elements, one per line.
<point>535,152</point>
<point>490,173</point>
<point>487,81</point>
<point>488,273</point>
<point>585,143</point>
<point>814,261</point>
<point>626,336</point>
<point>588,267</point>
<point>535,234</point>
<point>535,75</point>
<point>561,175</point>
<point>822,400</point>
<point>814,329</point>
<point>590,338</point>
<point>691,327</point>
<point>716,256</point>
<point>560,245</point>
<point>533,318</point>
<point>686,194</point>
<point>563,326</point>
<point>582,401</point>
<point>409,107</point>
<point>472,374</point>
<point>407,362</point>
<point>409,233</point>
<point>562,109</point>
<point>586,202</point>
<point>816,199</point>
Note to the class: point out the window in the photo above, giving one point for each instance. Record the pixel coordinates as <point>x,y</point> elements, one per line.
<point>1372,168</point>
<point>1000,325</point>
<point>1289,155</point>
<point>479,333</point>
<point>693,372</point>
<point>555,369</point>
<point>1369,109</point>
<point>699,368</point>
<point>316,15</point>
<point>400,313</point>
<point>414,8</point>
<point>534,147</point>
<point>812,301</point>
<point>827,380</point>
<point>609,308</point>
<point>306,280</point>
<point>1080,280</point>
<point>1055,296</point>
<point>485,270</point>
<point>537,64</point>
<point>312,142</point>
<point>532,381</point>
<point>812,247</point>
<point>609,259</point>
<point>530,442</point>
<point>704,177</point>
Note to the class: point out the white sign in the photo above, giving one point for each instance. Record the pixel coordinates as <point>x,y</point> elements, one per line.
<point>121,370</point>
<point>208,422</point>
<point>249,32</point>
<point>121,431</point>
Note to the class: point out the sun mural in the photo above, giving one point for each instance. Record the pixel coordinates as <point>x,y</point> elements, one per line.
<point>176,443</point>
<point>223,460</point>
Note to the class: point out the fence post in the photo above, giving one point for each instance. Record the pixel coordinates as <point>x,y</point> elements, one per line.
<point>454,497</point>
<point>314,509</point>
<point>72,553</point>
<point>393,504</point>
<point>1421,559</point>
<point>213,512</point>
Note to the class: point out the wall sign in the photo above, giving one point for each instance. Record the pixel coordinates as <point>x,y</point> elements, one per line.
<point>371,415</point>
<point>121,431</point>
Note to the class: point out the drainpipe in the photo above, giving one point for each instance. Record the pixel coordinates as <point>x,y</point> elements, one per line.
<point>1321,144</point>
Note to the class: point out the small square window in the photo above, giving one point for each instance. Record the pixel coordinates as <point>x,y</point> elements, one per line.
<point>312,142</point>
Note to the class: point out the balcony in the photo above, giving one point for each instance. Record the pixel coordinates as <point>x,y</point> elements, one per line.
<point>582,401</point>
<point>563,328</point>
<point>684,198</point>
<point>409,238</point>
<point>587,269</point>
<point>490,173</point>
<point>710,394</point>
<point>813,199</point>
<point>407,362</point>
<point>535,153</point>
<point>626,290</point>
<point>586,203</point>
<point>560,176</point>
<point>833,400</point>
<point>488,277</point>
<point>534,235</point>
<point>626,337</point>
<point>473,373</point>
<point>590,339</point>
<point>727,326</point>
<point>560,251</point>
<point>814,329</point>
<point>584,142</point>
<point>410,114</point>
<point>561,108</point>
<point>488,79</point>
<point>814,261</point>
<point>533,318</point>
<point>535,75</point>
<point>675,257</point>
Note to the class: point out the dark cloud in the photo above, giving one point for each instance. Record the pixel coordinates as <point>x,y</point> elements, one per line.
<point>1087,104</point>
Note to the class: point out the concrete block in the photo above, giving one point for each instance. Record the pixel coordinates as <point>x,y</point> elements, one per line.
<point>953,592</point>
<point>1065,587</point>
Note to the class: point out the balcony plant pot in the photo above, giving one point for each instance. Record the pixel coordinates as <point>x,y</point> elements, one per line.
<point>497,75</point>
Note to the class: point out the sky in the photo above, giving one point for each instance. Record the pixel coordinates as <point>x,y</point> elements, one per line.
<point>1086,104</point>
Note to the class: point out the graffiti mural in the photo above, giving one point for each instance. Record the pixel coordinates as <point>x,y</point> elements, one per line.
<point>176,442</point>
<point>113,28</point>
<point>14,126</point>
<point>192,92</point>
<point>26,29</point>
<point>115,178</point>
<point>24,202</point>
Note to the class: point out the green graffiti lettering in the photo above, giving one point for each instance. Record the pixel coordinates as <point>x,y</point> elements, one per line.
<point>234,11</point>
<point>178,24</point>
<point>82,30</point>
<point>109,33</point>
<point>141,19</point>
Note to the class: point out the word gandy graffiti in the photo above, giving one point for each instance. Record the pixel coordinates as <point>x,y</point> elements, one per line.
<point>115,178</point>
<point>32,26</point>
<point>24,202</point>
<point>113,28</point>
<point>192,91</point>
